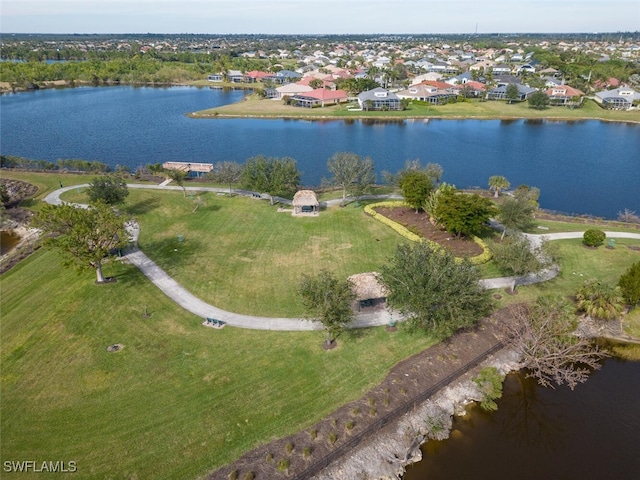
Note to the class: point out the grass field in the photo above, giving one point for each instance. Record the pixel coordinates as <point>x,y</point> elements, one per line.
<point>577,264</point>
<point>253,106</point>
<point>179,399</point>
<point>242,255</point>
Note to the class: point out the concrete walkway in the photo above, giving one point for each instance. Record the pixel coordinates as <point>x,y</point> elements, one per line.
<point>193,304</point>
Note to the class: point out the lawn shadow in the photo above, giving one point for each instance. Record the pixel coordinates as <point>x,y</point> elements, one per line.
<point>171,252</point>
<point>143,206</point>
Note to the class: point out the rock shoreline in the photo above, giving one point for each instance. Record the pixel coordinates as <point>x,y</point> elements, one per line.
<point>386,456</point>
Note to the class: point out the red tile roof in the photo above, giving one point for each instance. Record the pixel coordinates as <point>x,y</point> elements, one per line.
<point>324,94</point>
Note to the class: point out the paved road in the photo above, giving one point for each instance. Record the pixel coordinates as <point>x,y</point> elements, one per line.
<point>193,304</point>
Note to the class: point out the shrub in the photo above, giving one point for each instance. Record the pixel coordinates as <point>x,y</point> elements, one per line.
<point>599,300</point>
<point>489,381</point>
<point>249,476</point>
<point>313,433</point>
<point>283,465</point>
<point>289,447</point>
<point>593,237</point>
<point>333,437</point>
<point>233,475</point>
<point>268,458</point>
<point>629,284</point>
<point>349,425</point>
<point>307,451</point>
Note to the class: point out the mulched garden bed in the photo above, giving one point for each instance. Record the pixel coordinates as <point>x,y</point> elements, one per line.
<point>419,224</point>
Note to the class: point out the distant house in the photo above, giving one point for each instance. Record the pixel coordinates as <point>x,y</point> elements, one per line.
<point>500,93</point>
<point>427,93</point>
<point>525,68</point>
<point>501,70</point>
<point>291,89</point>
<point>235,76</point>
<point>564,95</point>
<point>379,99</point>
<point>257,76</point>
<point>287,76</point>
<point>623,98</point>
<point>215,77</point>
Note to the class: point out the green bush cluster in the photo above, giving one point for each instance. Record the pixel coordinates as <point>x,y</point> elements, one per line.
<point>593,237</point>
<point>484,257</point>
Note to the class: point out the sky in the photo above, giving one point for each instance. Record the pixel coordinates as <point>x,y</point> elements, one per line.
<point>318,16</point>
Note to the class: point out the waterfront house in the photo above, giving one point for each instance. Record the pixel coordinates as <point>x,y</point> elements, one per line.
<point>291,89</point>
<point>379,99</point>
<point>500,93</point>
<point>623,98</point>
<point>564,95</point>
<point>320,97</point>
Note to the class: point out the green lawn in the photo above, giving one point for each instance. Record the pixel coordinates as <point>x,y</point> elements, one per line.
<point>243,255</point>
<point>180,399</point>
<point>577,264</point>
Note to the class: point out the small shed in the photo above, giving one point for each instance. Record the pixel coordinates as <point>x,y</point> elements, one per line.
<point>305,202</point>
<point>370,293</point>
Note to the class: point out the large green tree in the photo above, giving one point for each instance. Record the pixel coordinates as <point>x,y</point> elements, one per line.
<point>629,284</point>
<point>435,292</point>
<point>416,185</point>
<point>516,213</point>
<point>279,177</point>
<point>85,236</point>
<point>328,300</point>
<point>351,172</point>
<point>463,214</point>
<point>516,256</point>
<point>539,100</point>
<point>110,189</point>
<point>512,93</point>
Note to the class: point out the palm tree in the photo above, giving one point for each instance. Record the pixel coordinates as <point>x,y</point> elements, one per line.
<point>600,301</point>
<point>497,183</point>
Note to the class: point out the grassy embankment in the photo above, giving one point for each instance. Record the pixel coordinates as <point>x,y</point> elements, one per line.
<point>253,106</point>
<point>181,399</point>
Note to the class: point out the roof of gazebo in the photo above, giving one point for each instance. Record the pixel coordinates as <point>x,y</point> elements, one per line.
<point>367,286</point>
<point>305,197</point>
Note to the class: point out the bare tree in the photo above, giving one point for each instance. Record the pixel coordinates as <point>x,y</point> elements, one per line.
<point>544,336</point>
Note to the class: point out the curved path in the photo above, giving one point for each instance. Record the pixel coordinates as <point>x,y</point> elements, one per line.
<point>193,304</point>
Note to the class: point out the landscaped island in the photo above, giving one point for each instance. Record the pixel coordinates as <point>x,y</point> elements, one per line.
<point>254,106</point>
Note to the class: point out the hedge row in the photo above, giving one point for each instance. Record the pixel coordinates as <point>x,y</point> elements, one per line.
<point>484,257</point>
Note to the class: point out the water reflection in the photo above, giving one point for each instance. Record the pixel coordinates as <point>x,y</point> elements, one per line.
<point>592,432</point>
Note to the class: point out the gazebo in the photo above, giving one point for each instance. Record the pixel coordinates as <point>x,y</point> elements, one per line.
<point>305,202</point>
<point>369,291</point>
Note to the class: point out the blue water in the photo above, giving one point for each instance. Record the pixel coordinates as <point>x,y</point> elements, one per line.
<point>537,433</point>
<point>584,167</point>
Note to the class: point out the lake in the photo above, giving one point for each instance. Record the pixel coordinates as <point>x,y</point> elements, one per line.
<point>581,167</point>
<point>590,433</point>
